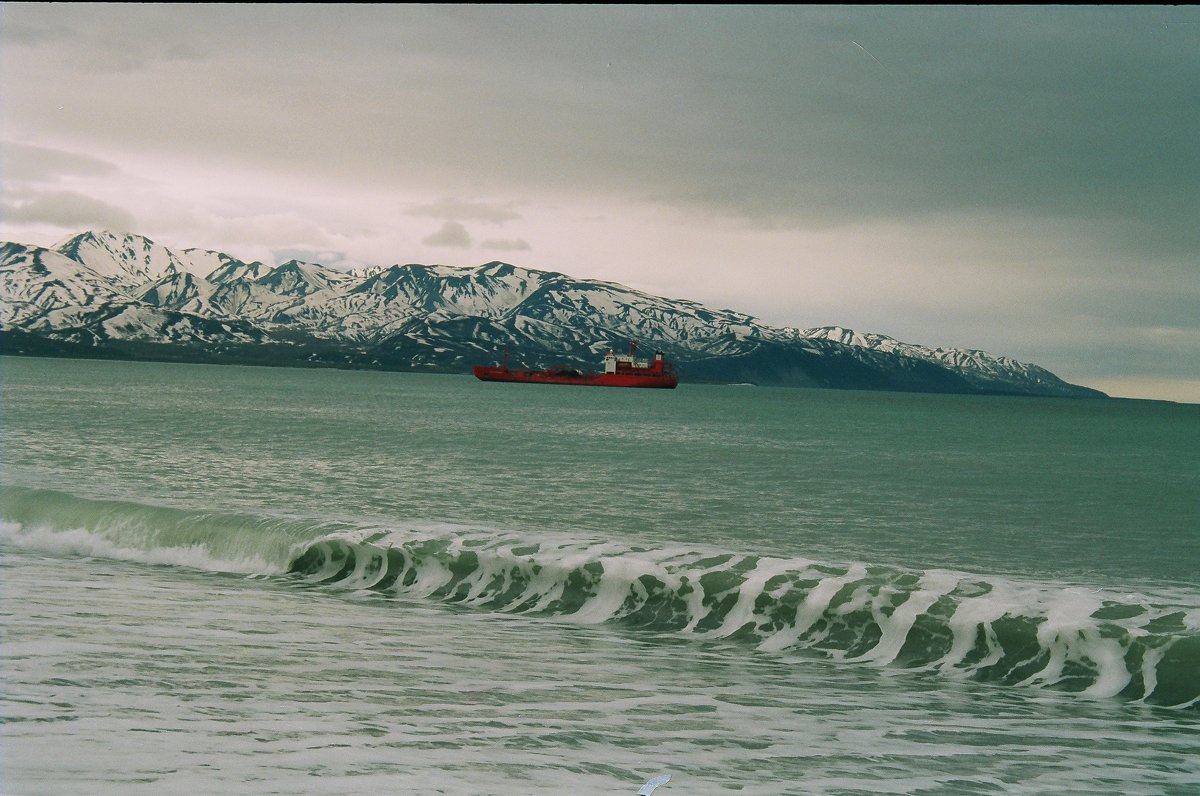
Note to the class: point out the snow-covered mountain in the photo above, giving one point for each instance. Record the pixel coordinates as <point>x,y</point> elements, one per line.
<point>110,294</point>
<point>982,369</point>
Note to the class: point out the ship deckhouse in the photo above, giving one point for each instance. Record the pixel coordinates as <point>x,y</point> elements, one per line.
<point>629,363</point>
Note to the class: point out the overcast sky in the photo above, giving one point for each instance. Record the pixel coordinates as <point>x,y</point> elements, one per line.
<point>1022,180</point>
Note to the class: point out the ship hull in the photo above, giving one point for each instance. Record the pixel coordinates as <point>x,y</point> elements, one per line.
<point>665,381</point>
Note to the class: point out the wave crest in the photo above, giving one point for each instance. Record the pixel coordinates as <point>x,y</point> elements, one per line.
<point>954,624</point>
<point>945,623</point>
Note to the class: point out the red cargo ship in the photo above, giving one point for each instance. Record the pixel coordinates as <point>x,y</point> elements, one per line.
<point>620,370</point>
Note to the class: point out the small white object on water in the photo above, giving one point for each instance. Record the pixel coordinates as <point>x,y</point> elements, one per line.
<point>648,788</point>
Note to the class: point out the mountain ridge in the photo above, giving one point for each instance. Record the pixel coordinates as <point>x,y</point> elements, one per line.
<point>117,294</point>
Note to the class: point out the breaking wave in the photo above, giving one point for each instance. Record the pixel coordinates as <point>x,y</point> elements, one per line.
<point>986,628</point>
<point>955,624</point>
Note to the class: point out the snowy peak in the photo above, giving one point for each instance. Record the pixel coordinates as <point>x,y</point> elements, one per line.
<point>107,289</point>
<point>839,334</point>
<point>296,278</point>
<point>867,341</point>
<point>979,367</point>
<point>17,259</point>
<point>131,260</point>
<point>486,291</point>
<point>37,282</point>
<point>213,265</point>
<point>182,291</point>
<point>230,270</point>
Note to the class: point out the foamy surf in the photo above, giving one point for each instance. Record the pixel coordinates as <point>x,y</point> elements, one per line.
<point>983,627</point>
<point>988,628</point>
<point>81,542</point>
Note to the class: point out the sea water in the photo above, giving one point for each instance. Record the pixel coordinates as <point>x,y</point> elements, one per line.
<point>254,580</point>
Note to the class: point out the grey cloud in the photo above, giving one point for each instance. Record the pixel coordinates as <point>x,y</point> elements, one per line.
<point>70,210</point>
<point>42,164</point>
<point>451,235</point>
<point>459,210</point>
<point>105,37</point>
<point>20,29</point>
<point>780,115</point>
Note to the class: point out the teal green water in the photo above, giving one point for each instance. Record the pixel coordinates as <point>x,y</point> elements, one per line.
<point>1024,486</point>
<point>726,565</point>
